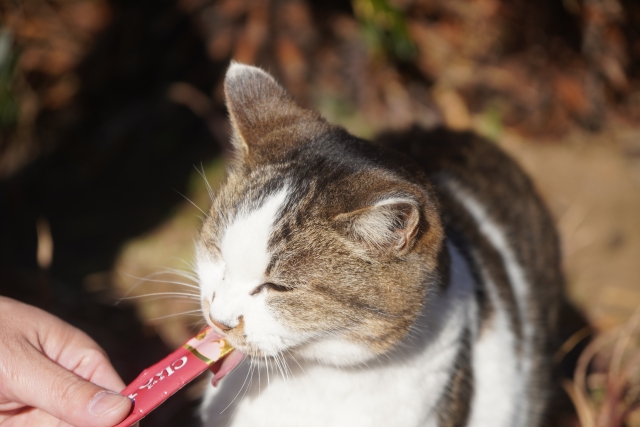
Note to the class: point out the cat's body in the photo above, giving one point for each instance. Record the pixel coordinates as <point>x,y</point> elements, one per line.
<point>371,289</point>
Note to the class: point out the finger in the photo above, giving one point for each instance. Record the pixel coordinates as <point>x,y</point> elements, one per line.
<point>59,341</point>
<point>77,352</point>
<point>30,417</point>
<point>104,375</point>
<point>85,358</point>
<point>44,384</point>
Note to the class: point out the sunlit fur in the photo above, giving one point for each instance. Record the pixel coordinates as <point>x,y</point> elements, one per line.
<point>363,294</point>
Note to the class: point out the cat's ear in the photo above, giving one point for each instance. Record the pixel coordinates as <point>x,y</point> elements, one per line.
<point>389,226</point>
<point>263,115</point>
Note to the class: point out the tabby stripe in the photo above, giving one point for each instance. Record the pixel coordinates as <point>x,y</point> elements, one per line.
<point>515,280</point>
<point>484,259</point>
<point>454,406</point>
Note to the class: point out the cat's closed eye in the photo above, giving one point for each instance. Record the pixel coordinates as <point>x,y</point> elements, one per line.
<point>269,286</point>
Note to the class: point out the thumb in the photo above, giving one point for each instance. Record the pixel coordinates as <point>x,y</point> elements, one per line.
<point>66,396</point>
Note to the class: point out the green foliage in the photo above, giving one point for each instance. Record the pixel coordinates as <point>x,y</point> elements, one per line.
<point>385,28</point>
<point>491,122</point>
<point>336,108</point>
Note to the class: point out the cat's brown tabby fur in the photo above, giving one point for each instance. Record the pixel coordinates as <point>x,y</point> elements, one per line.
<point>415,279</point>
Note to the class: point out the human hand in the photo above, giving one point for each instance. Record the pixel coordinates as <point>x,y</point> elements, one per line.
<point>52,374</point>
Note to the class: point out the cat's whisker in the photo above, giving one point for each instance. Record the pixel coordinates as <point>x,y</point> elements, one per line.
<point>152,278</point>
<point>266,361</point>
<point>283,361</point>
<point>250,381</point>
<point>185,295</point>
<point>182,273</point>
<point>190,264</point>
<point>198,324</point>
<point>183,313</point>
<point>206,181</point>
<point>298,363</point>
<point>183,300</point>
<point>186,261</point>
<point>239,391</point>
<point>136,285</point>
<point>286,362</point>
<point>167,293</point>
<point>250,376</point>
<point>189,274</point>
<point>259,385</point>
<point>190,201</point>
<point>180,300</point>
<point>141,280</point>
<point>278,368</point>
<point>245,391</point>
<point>287,369</point>
<point>278,363</point>
<point>173,282</point>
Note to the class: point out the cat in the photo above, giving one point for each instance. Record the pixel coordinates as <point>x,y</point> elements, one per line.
<point>412,281</point>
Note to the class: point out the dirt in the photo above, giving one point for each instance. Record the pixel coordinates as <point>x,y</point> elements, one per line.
<point>591,183</point>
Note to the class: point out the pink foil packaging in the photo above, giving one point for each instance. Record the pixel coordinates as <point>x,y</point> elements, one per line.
<point>156,383</point>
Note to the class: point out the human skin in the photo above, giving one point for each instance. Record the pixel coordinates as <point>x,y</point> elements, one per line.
<point>52,374</point>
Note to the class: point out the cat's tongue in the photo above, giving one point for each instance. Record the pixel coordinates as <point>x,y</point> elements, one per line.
<point>222,367</point>
<point>229,357</point>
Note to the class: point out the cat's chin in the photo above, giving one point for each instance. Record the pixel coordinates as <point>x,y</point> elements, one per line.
<point>336,352</point>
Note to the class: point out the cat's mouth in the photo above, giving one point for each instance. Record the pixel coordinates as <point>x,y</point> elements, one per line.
<point>253,351</point>
<point>222,367</point>
<point>225,365</point>
<point>258,350</point>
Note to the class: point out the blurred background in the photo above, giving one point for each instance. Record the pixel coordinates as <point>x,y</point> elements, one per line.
<point>112,126</point>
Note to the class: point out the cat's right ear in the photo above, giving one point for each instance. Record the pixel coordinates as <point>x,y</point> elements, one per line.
<point>265,119</point>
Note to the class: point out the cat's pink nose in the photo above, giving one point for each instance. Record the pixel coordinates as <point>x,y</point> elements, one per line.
<point>222,327</point>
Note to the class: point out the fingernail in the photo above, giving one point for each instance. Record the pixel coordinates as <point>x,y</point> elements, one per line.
<point>105,402</point>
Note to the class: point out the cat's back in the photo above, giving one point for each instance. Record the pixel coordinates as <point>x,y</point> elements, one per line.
<point>493,214</point>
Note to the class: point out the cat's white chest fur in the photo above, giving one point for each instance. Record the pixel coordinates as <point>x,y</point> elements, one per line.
<point>403,389</point>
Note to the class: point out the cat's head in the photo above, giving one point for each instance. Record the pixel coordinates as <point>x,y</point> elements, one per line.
<point>319,243</point>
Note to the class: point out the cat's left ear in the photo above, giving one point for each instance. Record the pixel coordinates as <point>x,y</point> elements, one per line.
<point>265,119</point>
<point>389,226</point>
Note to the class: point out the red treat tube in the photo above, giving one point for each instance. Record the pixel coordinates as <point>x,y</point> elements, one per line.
<point>156,383</point>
